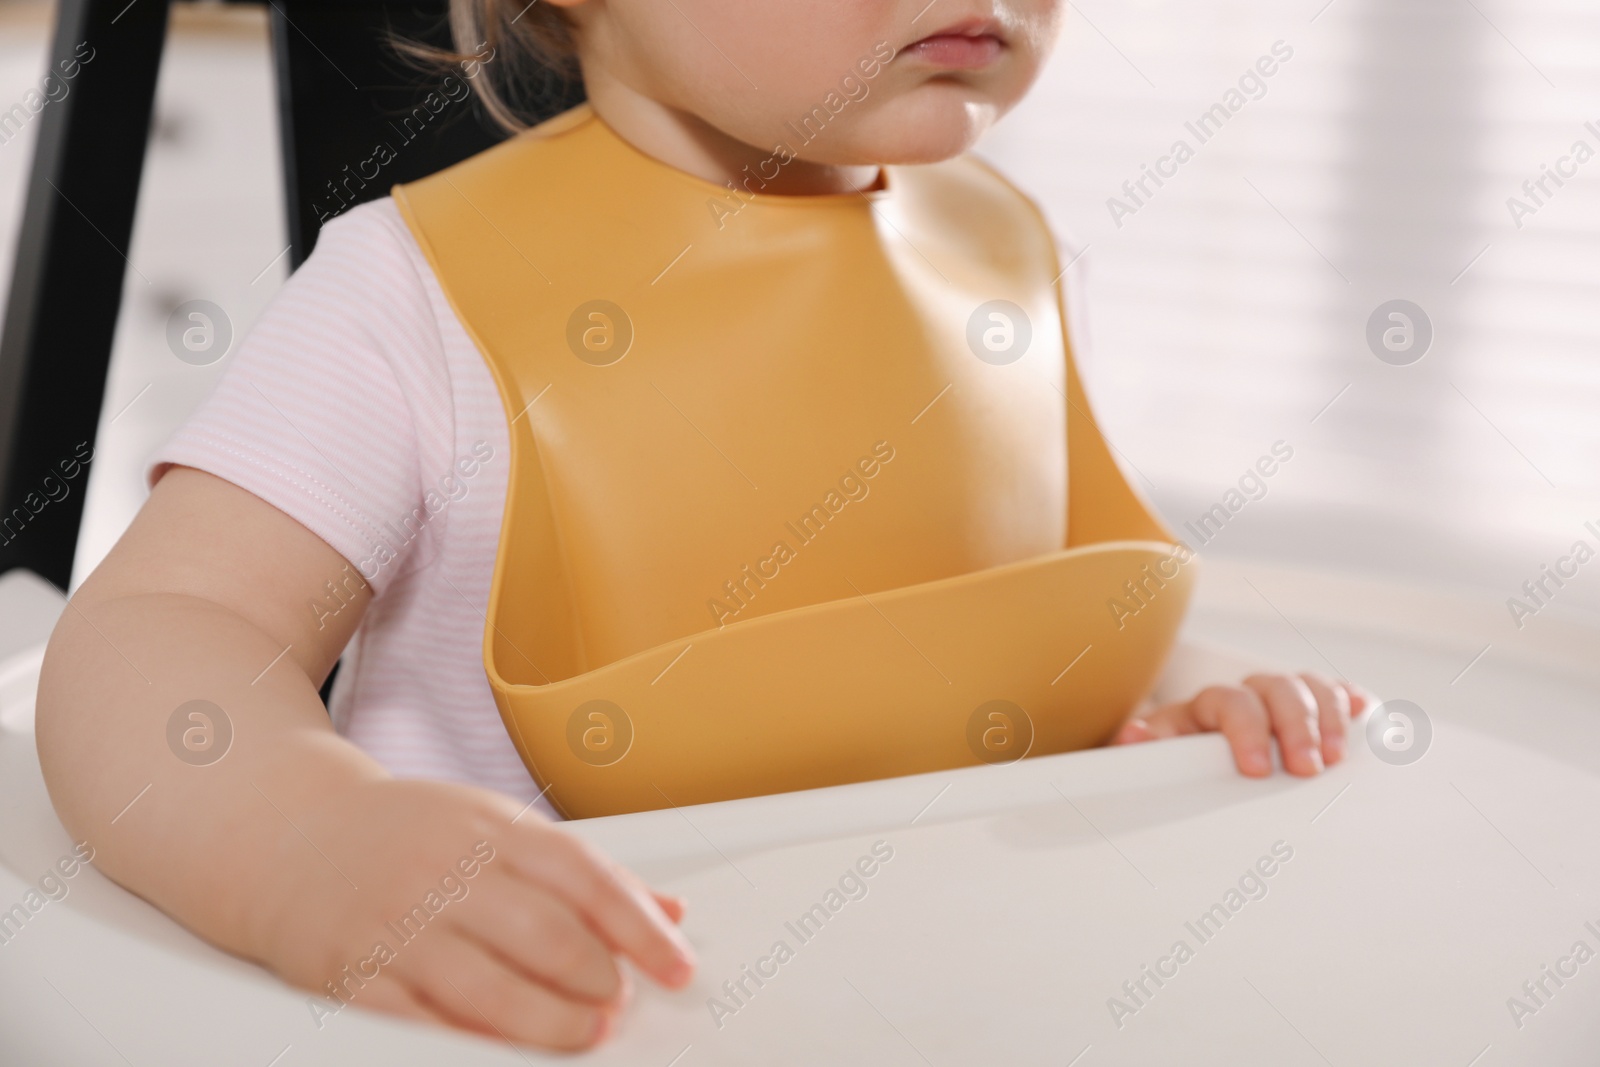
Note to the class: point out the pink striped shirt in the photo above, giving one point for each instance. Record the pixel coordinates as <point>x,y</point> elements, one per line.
<point>359,406</point>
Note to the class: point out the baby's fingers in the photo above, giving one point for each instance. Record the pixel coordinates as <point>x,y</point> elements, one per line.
<point>1169,720</point>
<point>673,907</point>
<point>1294,714</point>
<point>1360,699</point>
<point>622,912</point>
<point>474,989</point>
<point>1242,717</point>
<point>393,997</point>
<point>1333,716</point>
<point>540,934</point>
<point>1133,731</point>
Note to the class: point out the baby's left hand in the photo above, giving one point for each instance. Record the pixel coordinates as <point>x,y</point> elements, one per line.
<point>1309,715</point>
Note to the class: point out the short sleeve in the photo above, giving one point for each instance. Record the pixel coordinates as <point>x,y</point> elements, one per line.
<point>314,414</point>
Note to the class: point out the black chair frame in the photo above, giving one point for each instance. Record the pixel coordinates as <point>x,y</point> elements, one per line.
<point>342,89</point>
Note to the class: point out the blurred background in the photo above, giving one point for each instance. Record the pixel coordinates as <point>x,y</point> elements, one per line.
<point>1218,312</point>
<point>1231,310</point>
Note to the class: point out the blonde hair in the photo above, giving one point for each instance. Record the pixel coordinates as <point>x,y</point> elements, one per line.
<point>520,57</point>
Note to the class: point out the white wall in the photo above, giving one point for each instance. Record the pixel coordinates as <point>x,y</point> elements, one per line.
<point>1231,308</point>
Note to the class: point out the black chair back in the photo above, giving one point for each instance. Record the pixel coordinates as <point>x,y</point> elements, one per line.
<point>355,117</point>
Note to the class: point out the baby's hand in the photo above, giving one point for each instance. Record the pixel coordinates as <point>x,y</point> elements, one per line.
<point>1309,715</point>
<point>527,947</point>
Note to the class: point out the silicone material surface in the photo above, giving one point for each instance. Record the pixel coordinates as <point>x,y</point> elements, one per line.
<point>804,490</point>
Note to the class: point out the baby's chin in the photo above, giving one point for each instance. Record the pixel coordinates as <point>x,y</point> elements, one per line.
<point>927,126</point>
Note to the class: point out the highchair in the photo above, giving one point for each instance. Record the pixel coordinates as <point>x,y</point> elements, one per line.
<point>1017,910</point>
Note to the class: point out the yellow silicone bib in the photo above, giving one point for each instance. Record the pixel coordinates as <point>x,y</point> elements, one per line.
<point>803,490</point>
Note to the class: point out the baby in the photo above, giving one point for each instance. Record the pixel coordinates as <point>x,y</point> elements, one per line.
<point>344,490</point>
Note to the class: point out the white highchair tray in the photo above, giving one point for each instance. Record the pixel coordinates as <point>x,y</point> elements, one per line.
<point>1028,914</point>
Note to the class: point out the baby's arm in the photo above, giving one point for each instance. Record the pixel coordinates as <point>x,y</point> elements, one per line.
<point>295,848</point>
